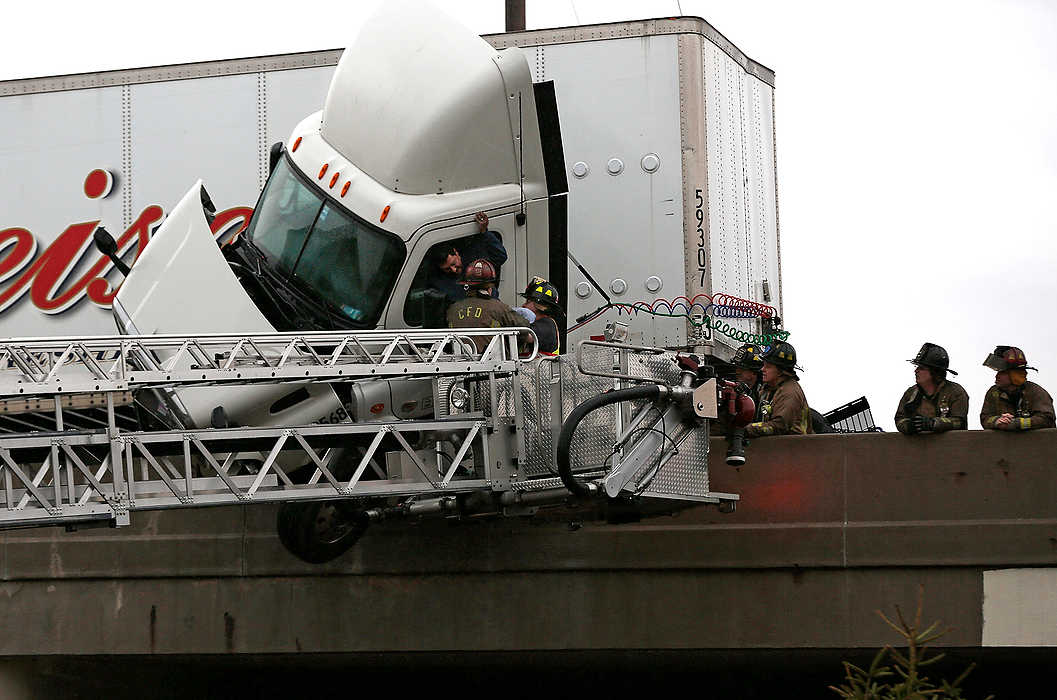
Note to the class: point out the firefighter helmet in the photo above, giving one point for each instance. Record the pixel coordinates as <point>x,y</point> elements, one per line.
<point>1006,357</point>
<point>479,273</point>
<point>782,355</point>
<point>748,357</point>
<point>542,292</point>
<point>934,356</point>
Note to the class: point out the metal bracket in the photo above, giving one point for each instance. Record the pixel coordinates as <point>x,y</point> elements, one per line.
<point>623,350</point>
<point>705,400</point>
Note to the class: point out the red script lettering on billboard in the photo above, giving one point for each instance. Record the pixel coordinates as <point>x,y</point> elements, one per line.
<point>45,277</point>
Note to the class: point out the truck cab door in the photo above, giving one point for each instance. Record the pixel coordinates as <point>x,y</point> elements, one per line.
<point>410,304</point>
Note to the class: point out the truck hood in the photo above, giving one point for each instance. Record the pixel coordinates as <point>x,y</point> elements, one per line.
<point>181,283</point>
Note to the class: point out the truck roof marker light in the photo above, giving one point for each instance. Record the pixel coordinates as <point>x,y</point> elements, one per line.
<point>322,172</point>
<point>334,179</point>
<point>296,144</point>
<point>345,189</point>
<point>385,213</point>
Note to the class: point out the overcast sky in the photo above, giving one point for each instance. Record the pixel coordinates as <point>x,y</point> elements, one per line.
<point>917,154</point>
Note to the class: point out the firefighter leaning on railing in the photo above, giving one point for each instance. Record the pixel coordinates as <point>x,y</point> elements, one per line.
<point>934,404</point>
<point>1014,403</point>
<point>783,406</point>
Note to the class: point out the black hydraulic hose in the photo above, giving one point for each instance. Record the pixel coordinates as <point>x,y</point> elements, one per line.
<point>565,438</point>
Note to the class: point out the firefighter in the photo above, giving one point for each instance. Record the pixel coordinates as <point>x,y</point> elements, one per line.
<point>542,305</point>
<point>1014,403</point>
<point>480,309</point>
<point>747,365</point>
<point>783,406</point>
<point>933,404</point>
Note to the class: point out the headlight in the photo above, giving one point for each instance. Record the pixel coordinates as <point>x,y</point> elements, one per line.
<point>458,399</point>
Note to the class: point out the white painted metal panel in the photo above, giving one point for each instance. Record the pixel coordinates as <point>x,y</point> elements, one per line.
<point>743,226</point>
<point>290,96</point>
<point>182,131</point>
<point>761,251</point>
<point>52,142</point>
<point>1020,608</point>
<point>619,99</point>
<point>726,163</point>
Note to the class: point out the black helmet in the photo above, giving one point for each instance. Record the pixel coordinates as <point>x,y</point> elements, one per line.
<point>542,292</point>
<point>748,357</point>
<point>931,355</point>
<point>1006,357</point>
<point>781,355</point>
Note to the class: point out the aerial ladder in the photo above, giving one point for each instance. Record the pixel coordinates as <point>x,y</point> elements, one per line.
<point>510,431</point>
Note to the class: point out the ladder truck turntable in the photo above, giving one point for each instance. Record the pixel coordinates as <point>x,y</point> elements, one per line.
<point>324,388</point>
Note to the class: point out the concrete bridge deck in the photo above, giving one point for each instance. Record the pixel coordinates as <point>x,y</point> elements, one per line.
<point>830,528</point>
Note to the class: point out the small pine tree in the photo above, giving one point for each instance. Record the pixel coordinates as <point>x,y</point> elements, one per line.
<point>896,675</point>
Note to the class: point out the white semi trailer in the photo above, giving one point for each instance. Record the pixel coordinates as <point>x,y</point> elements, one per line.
<point>669,155</point>
<point>631,164</point>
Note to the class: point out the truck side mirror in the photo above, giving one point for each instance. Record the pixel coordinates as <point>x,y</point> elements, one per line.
<point>274,155</point>
<point>208,208</point>
<point>106,245</point>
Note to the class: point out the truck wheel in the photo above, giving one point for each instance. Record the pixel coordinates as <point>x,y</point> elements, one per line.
<point>288,513</point>
<point>319,531</point>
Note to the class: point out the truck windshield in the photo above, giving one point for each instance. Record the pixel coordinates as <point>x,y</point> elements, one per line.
<point>345,263</point>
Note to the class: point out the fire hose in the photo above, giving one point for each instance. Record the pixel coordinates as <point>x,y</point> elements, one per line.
<point>565,438</point>
<point>733,401</point>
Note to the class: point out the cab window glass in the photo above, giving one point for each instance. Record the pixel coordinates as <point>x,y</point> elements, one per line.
<point>343,263</point>
<point>284,217</point>
<point>348,264</point>
<point>425,303</point>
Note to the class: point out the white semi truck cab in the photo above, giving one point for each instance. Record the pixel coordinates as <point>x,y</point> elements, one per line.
<point>415,136</point>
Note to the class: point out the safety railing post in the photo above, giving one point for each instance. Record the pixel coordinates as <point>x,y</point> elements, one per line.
<point>117,463</point>
<point>56,459</point>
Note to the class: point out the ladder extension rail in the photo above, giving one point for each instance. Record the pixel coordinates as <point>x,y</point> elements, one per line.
<point>104,472</point>
<point>34,366</point>
<point>207,470</point>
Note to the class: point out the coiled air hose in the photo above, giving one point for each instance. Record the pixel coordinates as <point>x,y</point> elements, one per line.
<point>565,438</point>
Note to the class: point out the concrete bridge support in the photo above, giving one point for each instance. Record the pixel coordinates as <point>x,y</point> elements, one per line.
<point>830,529</point>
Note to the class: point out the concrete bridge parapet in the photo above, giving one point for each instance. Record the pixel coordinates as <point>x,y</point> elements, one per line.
<point>829,529</point>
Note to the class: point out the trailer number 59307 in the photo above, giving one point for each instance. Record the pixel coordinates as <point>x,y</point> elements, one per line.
<point>699,216</point>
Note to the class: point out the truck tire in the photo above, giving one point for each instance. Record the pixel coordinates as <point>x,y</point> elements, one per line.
<point>319,531</point>
<point>285,525</point>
